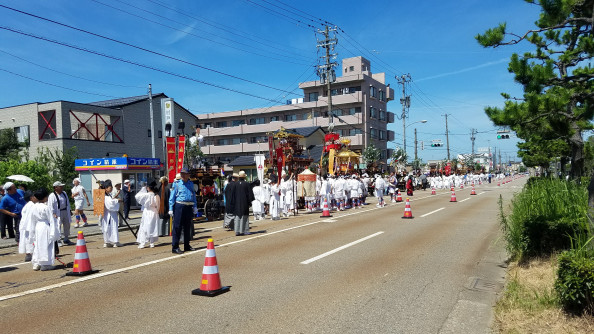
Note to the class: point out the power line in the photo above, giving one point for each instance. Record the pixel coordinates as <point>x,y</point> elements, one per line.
<point>299,22</point>
<point>136,47</point>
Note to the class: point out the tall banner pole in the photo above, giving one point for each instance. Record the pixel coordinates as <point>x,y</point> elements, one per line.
<point>171,166</point>
<point>181,150</point>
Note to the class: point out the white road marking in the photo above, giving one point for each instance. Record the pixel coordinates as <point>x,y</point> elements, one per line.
<point>340,248</point>
<point>481,193</point>
<point>466,199</point>
<point>13,265</point>
<point>434,211</point>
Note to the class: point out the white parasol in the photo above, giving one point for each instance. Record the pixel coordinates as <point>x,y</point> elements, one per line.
<point>21,178</point>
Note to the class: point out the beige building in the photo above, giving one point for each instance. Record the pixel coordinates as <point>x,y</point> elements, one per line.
<point>359,104</point>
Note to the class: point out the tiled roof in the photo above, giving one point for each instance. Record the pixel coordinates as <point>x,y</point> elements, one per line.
<point>123,101</point>
<point>306,131</point>
<point>244,160</point>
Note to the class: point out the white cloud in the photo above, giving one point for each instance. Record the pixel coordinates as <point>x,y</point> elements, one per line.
<point>468,69</point>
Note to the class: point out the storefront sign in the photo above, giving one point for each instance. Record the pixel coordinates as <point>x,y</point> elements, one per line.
<point>116,163</point>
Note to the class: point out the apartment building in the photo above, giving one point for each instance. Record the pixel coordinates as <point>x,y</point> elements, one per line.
<point>359,104</point>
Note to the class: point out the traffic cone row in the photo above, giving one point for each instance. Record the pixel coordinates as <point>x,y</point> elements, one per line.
<point>407,210</point>
<point>82,264</point>
<point>399,196</point>
<point>453,198</point>
<point>473,192</point>
<point>325,211</point>
<point>210,285</point>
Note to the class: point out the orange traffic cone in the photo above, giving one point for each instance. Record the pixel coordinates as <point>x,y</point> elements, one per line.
<point>399,196</point>
<point>461,185</point>
<point>407,211</point>
<point>325,211</point>
<point>211,281</point>
<point>433,191</point>
<point>453,198</point>
<point>473,192</point>
<point>82,264</point>
<point>498,184</point>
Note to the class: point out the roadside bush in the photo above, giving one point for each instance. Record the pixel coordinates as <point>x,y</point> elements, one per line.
<point>575,282</point>
<point>544,217</point>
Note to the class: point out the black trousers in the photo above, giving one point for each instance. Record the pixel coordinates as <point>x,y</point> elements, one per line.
<point>127,208</point>
<point>6,222</point>
<point>182,219</point>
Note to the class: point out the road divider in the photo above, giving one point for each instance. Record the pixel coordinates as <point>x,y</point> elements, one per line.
<point>341,248</point>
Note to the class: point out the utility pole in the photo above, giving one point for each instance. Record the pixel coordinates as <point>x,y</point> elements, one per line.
<point>447,136</point>
<point>472,138</point>
<point>405,101</point>
<point>150,96</point>
<point>326,71</point>
<point>416,157</point>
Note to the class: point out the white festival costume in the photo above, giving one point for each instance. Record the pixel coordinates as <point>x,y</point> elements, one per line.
<point>149,227</point>
<point>78,192</point>
<point>27,229</point>
<point>47,232</point>
<point>109,220</point>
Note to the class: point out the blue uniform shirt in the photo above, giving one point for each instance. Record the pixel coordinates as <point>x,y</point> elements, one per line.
<point>13,203</point>
<point>182,192</point>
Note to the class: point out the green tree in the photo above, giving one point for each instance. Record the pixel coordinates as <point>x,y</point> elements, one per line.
<point>371,155</point>
<point>60,164</point>
<point>558,99</point>
<point>35,170</point>
<point>9,145</point>
<point>399,156</point>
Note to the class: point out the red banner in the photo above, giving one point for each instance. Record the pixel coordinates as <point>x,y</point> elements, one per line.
<point>280,162</point>
<point>181,151</point>
<point>170,147</point>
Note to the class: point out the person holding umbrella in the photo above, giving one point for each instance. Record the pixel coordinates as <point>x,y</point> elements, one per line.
<point>11,206</point>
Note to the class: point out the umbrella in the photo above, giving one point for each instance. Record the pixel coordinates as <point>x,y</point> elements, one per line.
<point>21,178</point>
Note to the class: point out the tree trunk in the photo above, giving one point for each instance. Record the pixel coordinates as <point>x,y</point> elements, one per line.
<point>591,192</point>
<point>577,153</point>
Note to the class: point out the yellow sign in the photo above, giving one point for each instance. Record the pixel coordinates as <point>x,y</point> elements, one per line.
<point>331,161</point>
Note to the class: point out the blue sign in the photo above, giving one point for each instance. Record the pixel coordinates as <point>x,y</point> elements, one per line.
<point>116,163</point>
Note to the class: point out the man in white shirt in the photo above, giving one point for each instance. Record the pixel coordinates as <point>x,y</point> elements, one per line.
<point>79,195</point>
<point>59,206</point>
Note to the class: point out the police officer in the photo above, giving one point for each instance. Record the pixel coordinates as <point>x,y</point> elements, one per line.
<point>182,206</point>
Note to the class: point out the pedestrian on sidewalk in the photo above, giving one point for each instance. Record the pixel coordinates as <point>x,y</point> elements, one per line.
<point>109,220</point>
<point>149,227</point>
<point>11,206</point>
<point>229,219</point>
<point>79,195</point>
<point>242,198</point>
<point>182,206</point>
<point>275,197</point>
<point>127,197</point>
<point>47,232</point>
<point>60,207</point>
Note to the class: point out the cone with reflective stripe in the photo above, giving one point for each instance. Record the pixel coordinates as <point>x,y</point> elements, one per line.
<point>82,264</point>
<point>453,198</point>
<point>211,281</point>
<point>326,211</point>
<point>407,211</point>
<point>399,196</point>
<point>433,191</point>
<point>473,192</point>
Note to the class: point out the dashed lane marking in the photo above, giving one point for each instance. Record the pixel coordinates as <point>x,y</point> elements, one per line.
<point>341,248</point>
<point>432,212</point>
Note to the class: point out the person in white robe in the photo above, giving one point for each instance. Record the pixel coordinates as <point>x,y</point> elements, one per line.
<point>27,227</point>
<point>47,232</point>
<point>148,230</point>
<point>257,204</point>
<point>380,187</point>
<point>287,186</point>
<point>275,198</point>
<point>109,219</point>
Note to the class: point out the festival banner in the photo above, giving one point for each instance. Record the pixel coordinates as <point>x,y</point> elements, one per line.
<point>181,152</point>
<point>259,158</point>
<point>331,161</point>
<point>280,162</point>
<point>170,147</point>
<point>271,150</point>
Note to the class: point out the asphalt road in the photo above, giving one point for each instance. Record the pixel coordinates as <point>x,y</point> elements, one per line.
<point>361,271</point>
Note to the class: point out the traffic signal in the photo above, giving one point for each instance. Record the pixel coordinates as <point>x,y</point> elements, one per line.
<point>502,136</point>
<point>436,144</point>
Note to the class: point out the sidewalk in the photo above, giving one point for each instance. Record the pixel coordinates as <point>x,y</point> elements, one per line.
<point>92,229</point>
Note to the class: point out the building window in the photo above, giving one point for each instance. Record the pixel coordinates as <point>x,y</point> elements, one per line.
<point>353,111</point>
<point>289,118</point>
<point>238,122</point>
<point>257,120</point>
<point>354,89</point>
<point>205,125</point>
<point>221,124</point>
<point>258,139</point>
<point>149,133</point>
<point>222,142</point>
<point>354,132</point>
<point>373,133</point>
<point>351,68</point>
<point>235,141</point>
<point>382,95</point>
<point>337,112</point>
<point>373,112</point>
<point>382,115</point>
<point>275,118</point>
<point>382,135</point>
<point>334,91</point>
<point>373,91</point>
<point>313,96</point>
<point>160,133</point>
<point>46,124</point>
<point>22,134</point>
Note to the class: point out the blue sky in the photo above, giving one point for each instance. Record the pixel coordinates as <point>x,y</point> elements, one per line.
<point>268,43</point>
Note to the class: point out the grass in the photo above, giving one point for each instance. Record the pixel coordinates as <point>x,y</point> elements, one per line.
<point>529,303</point>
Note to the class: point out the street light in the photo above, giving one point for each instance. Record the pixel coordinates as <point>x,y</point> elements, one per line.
<point>404,133</point>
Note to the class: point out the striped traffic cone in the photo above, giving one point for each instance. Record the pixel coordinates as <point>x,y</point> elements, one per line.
<point>473,192</point>
<point>407,211</point>
<point>453,198</point>
<point>433,191</point>
<point>82,264</point>
<point>326,211</point>
<point>211,281</point>
<point>399,196</point>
